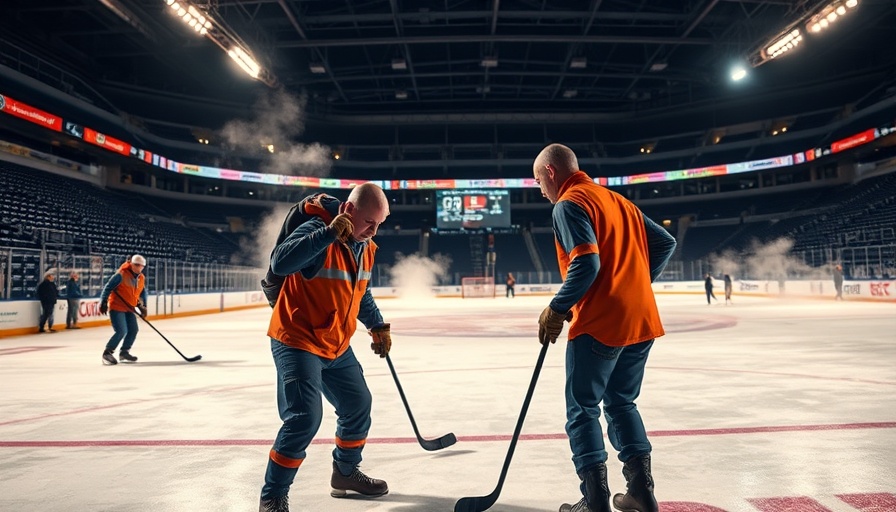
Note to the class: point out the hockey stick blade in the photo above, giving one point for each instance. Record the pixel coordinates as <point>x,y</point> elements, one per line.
<point>477,504</point>
<point>481,503</point>
<point>432,445</point>
<point>427,444</point>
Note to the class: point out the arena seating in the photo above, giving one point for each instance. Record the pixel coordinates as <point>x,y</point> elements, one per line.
<point>113,222</point>
<point>102,220</point>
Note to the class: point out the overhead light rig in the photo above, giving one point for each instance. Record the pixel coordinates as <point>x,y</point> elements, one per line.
<point>204,24</point>
<point>814,23</point>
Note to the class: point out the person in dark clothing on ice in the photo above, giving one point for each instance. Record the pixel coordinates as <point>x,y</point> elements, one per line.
<point>838,282</point>
<point>47,293</point>
<point>707,283</point>
<point>728,289</point>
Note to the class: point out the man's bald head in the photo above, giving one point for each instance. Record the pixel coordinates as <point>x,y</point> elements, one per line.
<point>368,194</point>
<point>560,157</point>
<point>369,207</point>
<point>552,167</point>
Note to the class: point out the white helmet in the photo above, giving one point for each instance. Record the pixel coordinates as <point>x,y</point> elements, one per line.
<point>138,260</point>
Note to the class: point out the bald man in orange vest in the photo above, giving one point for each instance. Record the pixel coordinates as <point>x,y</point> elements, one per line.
<point>608,253</point>
<point>327,262</point>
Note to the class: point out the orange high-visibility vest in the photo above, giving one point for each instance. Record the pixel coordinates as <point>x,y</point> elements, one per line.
<point>130,289</point>
<point>319,315</point>
<point>619,308</point>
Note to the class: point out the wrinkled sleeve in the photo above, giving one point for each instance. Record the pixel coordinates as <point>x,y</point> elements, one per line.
<point>660,246</point>
<point>303,249</point>
<point>111,284</point>
<point>369,313</point>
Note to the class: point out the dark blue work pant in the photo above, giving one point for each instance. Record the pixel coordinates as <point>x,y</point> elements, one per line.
<point>598,373</point>
<point>302,378</point>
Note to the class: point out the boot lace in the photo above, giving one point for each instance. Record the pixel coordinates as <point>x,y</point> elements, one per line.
<point>358,476</point>
<point>648,476</point>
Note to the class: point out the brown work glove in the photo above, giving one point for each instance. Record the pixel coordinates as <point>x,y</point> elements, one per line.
<point>382,340</point>
<point>141,307</point>
<point>550,323</point>
<point>341,226</point>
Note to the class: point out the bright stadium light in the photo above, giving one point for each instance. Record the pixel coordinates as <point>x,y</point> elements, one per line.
<point>783,44</point>
<point>245,61</point>
<point>829,15</point>
<point>201,20</point>
<point>738,73</point>
<point>814,23</point>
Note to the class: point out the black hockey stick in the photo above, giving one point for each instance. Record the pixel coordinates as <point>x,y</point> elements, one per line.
<point>427,444</point>
<point>480,503</point>
<point>188,359</point>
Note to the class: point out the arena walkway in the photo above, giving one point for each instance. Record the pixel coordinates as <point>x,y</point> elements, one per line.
<point>767,405</point>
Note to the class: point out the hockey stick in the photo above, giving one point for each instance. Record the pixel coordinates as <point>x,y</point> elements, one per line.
<point>427,444</point>
<point>480,503</point>
<point>188,359</point>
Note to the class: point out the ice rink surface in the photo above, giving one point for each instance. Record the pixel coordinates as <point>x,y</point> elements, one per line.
<point>768,404</point>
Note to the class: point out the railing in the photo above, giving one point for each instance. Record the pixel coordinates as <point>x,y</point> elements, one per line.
<point>34,66</point>
<point>21,270</point>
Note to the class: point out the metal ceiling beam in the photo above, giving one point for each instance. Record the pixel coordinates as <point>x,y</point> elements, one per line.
<point>399,31</point>
<point>438,16</point>
<point>683,38</point>
<point>699,18</point>
<point>572,48</point>
<point>514,38</point>
<point>370,66</point>
<point>298,28</point>
<point>130,18</point>
<point>683,77</point>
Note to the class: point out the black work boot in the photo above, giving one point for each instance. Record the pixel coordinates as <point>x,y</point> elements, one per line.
<point>280,504</point>
<point>357,482</point>
<point>639,496</point>
<point>596,491</point>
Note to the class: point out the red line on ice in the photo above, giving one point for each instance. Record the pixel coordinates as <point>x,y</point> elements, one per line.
<point>460,439</point>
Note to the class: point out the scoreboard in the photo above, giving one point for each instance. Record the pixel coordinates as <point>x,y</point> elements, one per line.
<point>472,209</point>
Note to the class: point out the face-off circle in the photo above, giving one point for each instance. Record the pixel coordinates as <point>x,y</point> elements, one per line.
<point>518,325</point>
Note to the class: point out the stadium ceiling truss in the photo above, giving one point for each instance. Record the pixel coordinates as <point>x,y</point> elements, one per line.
<point>635,63</point>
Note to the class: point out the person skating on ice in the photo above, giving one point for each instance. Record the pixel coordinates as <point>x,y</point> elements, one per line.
<point>707,285</point>
<point>123,296</point>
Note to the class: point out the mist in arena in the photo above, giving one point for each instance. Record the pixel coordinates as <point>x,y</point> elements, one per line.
<point>769,261</point>
<point>414,276</point>
<point>256,246</point>
<point>277,121</point>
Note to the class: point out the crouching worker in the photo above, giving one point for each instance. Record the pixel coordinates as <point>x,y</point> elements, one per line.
<point>123,297</point>
<point>327,262</point>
